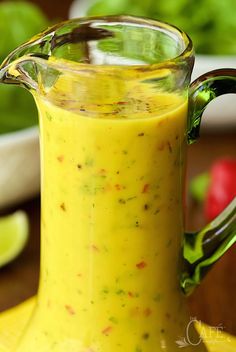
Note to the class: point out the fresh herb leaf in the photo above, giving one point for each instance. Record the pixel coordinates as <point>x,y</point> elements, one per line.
<point>210,23</point>
<point>19,21</point>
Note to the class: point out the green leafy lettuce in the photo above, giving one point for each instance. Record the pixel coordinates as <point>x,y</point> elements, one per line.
<point>19,21</point>
<point>210,23</point>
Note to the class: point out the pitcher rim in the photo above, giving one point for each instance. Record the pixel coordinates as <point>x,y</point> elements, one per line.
<point>185,54</point>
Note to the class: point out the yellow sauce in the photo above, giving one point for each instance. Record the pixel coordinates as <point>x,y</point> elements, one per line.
<point>112,226</point>
<point>12,322</point>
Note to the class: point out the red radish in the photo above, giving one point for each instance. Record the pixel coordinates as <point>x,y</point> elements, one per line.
<point>222,187</point>
<point>216,188</point>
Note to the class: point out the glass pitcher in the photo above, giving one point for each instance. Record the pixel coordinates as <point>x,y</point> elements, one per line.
<point>116,114</point>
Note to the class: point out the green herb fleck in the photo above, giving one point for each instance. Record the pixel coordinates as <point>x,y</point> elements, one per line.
<point>92,189</point>
<point>49,117</point>
<point>89,161</point>
<point>122,201</point>
<point>131,198</point>
<point>105,249</point>
<point>105,290</point>
<point>113,320</point>
<point>138,349</point>
<point>157,298</point>
<point>120,292</point>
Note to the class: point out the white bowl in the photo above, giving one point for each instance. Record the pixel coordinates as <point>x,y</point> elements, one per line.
<point>19,166</point>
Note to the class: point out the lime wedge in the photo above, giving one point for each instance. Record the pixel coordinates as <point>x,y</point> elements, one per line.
<point>14,230</point>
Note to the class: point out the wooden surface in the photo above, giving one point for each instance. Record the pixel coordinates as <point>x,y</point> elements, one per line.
<point>55,10</point>
<point>213,302</point>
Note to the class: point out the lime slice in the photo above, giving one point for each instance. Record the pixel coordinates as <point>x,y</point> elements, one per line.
<point>14,230</point>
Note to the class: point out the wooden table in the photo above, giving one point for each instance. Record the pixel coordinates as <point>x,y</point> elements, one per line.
<point>213,302</point>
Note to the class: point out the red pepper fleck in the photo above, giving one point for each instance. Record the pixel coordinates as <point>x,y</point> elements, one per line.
<point>221,189</point>
<point>95,248</point>
<point>141,265</point>
<point>130,294</point>
<point>63,207</point>
<point>60,158</point>
<point>147,312</point>
<point>162,122</point>
<point>107,330</point>
<point>161,146</point>
<point>118,187</point>
<point>145,188</point>
<point>102,171</point>
<point>70,310</point>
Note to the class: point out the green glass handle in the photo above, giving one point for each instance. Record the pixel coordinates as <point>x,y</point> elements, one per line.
<point>202,249</point>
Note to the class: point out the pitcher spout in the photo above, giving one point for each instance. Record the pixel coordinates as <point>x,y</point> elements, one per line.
<point>21,72</point>
<point>68,40</point>
<point>20,67</point>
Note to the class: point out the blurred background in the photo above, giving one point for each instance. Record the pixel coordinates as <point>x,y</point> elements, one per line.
<point>211,25</point>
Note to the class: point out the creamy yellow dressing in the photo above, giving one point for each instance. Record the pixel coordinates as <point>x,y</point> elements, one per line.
<point>13,320</point>
<point>112,224</point>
